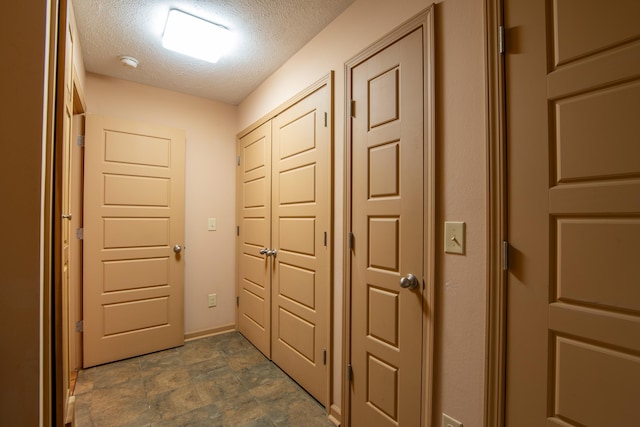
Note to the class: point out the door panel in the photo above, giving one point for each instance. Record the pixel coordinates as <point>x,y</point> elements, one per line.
<point>254,271</point>
<point>134,215</point>
<point>388,226</point>
<point>301,208</point>
<point>573,213</point>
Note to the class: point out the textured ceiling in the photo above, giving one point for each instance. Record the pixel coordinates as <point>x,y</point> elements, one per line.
<point>267,33</point>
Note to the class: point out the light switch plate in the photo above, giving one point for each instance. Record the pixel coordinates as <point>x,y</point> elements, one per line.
<point>447,421</point>
<point>211,224</point>
<point>454,237</point>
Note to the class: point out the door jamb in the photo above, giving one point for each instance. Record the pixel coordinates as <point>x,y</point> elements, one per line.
<point>496,301</point>
<point>424,20</point>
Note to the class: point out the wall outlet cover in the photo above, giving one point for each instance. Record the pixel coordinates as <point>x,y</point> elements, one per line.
<point>447,421</point>
<point>213,300</point>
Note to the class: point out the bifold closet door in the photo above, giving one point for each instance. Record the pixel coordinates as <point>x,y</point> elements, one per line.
<point>301,224</point>
<point>254,211</point>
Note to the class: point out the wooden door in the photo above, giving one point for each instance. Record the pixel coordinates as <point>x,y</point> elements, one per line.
<point>301,231</point>
<point>388,225</point>
<point>254,219</point>
<point>134,216</point>
<point>573,97</point>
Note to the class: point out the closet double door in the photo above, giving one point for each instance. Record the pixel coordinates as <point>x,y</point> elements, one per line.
<point>284,229</point>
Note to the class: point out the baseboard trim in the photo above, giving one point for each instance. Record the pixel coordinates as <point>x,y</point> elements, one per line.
<point>70,415</point>
<point>209,332</point>
<point>335,415</point>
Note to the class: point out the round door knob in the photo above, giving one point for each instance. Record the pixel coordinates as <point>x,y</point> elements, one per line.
<point>67,216</point>
<point>177,249</point>
<point>409,282</point>
<point>272,252</point>
<point>264,251</point>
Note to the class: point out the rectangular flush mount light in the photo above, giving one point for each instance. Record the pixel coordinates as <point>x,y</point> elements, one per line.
<point>195,37</point>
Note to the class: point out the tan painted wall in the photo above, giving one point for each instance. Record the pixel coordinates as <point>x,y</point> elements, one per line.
<point>462,174</point>
<point>210,185</point>
<point>23,35</point>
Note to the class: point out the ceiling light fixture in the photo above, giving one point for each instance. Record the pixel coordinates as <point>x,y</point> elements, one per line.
<point>193,36</point>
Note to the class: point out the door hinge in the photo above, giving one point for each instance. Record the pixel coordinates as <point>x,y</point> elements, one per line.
<point>352,240</point>
<point>324,356</point>
<point>325,238</point>
<point>238,301</point>
<point>238,160</point>
<point>80,141</point>
<point>505,256</point>
<point>237,230</point>
<point>352,108</point>
<point>79,233</point>
<point>79,326</point>
<point>501,41</point>
<point>349,372</point>
<point>325,119</point>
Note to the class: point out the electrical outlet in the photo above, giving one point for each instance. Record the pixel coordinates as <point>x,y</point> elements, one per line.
<point>447,421</point>
<point>213,300</point>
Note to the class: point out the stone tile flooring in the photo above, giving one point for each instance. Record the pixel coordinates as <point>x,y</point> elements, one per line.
<point>215,381</point>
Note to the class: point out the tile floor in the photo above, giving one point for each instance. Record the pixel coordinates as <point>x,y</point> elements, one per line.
<point>215,381</point>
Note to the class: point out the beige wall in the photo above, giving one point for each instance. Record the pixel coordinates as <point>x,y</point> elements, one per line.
<point>23,39</point>
<point>462,174</point>
<point>210,185</point>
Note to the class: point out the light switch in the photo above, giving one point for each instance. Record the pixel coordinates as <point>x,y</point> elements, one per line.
<point>211,225</point>
<point>454,237</point>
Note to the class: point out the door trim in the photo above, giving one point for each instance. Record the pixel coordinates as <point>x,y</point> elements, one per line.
<point>496,308</point>
<point>424,20</point>
<point>327,79</point>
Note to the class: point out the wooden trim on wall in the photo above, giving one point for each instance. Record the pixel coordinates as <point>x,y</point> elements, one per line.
<point>210,332</point>
<point>52,402</point>
<point>430,213</point>
<point>335,415</point>
<point>495,345</point>
<point>346,253</point>
<point>327,79</point>
<point>424,19</point>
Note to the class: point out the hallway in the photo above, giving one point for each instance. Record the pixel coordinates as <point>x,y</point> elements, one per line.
<point>220,380</point>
